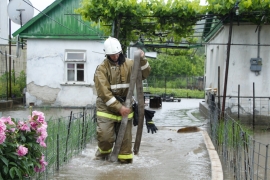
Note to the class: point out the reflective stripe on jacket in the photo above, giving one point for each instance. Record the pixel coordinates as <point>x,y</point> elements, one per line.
<point>113,80</point>
<point>112,117</point>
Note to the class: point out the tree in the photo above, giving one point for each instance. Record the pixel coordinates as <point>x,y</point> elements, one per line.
<point>171,21</point>
<point>160,21</point>
<point>151,20</point>
<point>167,65</point>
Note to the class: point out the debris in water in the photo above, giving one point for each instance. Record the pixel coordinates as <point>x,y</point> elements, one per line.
<point>188,129</point>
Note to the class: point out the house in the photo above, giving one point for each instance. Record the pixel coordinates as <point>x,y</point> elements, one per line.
<point>3,23</point>
<point>248,64</point>
<point>63,52</point>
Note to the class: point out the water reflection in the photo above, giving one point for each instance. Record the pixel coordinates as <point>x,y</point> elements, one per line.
<point>179,114</point>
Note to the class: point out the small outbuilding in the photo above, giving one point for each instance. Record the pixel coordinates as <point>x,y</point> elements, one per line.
<point>63,52</point>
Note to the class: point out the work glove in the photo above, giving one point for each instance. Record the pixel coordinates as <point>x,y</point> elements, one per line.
<point>136,113</point>
<point>149,122</point>
<point>151,127</point>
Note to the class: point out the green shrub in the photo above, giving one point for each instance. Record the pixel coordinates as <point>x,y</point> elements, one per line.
<point>17,84</point>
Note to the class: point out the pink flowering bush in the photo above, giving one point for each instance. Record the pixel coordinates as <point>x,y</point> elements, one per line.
<point>21,146</point>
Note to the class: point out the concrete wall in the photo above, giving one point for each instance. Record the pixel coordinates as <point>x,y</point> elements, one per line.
<point>239,64</point>
<point>18,64</point>
<point>46,73</point>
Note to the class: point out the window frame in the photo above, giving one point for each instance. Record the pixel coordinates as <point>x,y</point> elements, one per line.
<point>75,61</point>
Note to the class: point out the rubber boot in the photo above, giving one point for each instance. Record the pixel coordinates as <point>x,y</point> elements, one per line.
<point>100,156</point>
<point>125,161</point>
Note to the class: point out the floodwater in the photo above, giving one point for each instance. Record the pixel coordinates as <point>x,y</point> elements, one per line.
<point>179,114</point>
<point>163,155</point>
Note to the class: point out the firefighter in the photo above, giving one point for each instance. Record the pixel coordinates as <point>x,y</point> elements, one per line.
<point>112,79</point>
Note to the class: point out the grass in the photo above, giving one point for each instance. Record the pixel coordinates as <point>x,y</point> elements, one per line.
<point>67,137</point>
<point>182,93</point>
<point>232,134</point>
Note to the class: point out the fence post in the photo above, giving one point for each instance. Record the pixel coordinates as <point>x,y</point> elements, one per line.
<point>266,159</point>
<point>65,158</point>
<point>57,153</point>
<point>238,102</point>
<point>253,153</point>
<point>253,105</point>
<point>6,73</point>
<point>246,160</point>
<point>258,163</point>
<point>218,92</point>
<point>83,126</point>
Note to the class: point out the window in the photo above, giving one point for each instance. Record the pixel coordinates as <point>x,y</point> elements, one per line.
<point>75,65</point>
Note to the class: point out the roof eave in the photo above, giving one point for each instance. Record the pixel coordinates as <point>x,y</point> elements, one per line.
<point>34,19</point>
<point>75,37</point>
<point>211,33</point>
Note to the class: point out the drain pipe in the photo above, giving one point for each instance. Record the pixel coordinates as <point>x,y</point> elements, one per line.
<point>219,92</point>
<point>259,41</point>
<point>227,65</point>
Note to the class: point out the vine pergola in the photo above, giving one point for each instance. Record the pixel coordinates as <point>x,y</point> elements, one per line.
<point>170,24</point>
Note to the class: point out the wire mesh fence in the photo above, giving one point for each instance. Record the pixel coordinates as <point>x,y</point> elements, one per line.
<point>175,86</point>
<point>250,110</point>
<point>67,137</point>
<point>176,82</point>
<point>242,155</point>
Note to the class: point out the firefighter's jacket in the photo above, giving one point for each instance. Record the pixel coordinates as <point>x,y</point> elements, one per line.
<point>112,80</point>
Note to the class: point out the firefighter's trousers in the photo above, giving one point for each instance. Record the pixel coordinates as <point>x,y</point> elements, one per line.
<point>107,131</point>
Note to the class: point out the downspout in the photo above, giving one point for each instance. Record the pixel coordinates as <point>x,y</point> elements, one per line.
<point>259,34</point>
<point>9,62</point>
<point>227,65</point>
<point>259,47</point>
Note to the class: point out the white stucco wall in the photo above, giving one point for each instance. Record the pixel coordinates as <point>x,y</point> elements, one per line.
<point>3,22</point>
<point>239,63</point>
<point>46,73</point>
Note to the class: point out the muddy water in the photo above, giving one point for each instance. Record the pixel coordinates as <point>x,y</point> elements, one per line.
<point>179,114</point>
<point>164,155</point>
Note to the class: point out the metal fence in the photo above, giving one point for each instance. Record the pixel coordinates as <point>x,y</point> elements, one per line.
<point>67,137</point>
<point>242,155</point>
<point>176,82</point>
<point>249,110</point>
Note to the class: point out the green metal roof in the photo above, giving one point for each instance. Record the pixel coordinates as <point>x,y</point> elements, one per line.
<point>58,21</point>
<point>209,31</point>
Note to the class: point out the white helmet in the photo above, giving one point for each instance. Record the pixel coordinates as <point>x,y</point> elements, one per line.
<point>112,46</point>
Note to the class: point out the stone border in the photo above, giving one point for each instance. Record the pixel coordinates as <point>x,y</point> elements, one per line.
<point>216,167</point>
